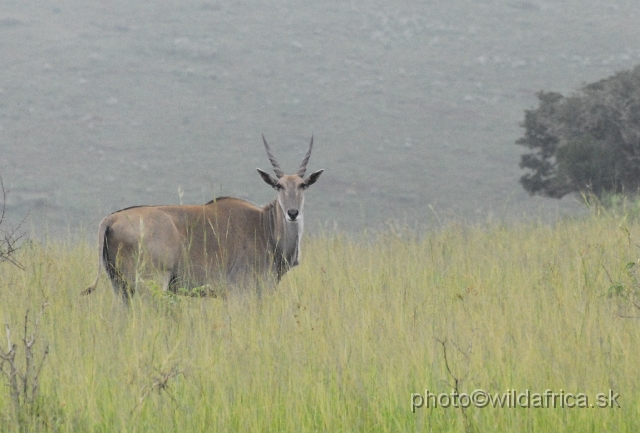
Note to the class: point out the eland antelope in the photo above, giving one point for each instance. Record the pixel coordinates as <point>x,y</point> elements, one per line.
<point>227,241</point>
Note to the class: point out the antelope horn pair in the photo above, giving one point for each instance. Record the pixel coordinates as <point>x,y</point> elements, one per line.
<point>276,166</point>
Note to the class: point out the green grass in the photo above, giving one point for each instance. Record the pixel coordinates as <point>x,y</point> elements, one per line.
<point>347,337</point>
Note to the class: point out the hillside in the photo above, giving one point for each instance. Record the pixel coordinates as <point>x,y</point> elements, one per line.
<point>415,106</point>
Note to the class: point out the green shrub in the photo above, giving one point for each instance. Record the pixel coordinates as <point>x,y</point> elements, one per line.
<point>588,142</point>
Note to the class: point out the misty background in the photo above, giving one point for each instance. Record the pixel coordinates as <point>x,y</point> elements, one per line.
<point>415,106</point>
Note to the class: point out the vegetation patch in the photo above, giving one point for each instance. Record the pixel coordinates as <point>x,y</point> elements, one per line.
<point>352,339</point>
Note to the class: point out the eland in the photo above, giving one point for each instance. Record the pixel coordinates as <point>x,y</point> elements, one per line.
<point>225,243</point>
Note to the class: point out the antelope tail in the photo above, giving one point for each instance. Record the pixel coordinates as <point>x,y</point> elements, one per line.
<point>103,257</point>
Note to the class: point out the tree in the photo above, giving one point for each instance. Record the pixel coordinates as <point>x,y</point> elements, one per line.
<point>586,142</point>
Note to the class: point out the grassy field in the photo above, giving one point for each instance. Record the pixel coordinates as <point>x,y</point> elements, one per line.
<point>348,337</point>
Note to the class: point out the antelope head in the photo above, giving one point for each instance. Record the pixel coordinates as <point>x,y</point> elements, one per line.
<point>290,187</point>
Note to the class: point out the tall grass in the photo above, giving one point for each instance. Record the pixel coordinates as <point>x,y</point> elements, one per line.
<point>348,336</point>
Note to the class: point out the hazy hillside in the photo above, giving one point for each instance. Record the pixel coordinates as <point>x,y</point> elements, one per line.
<point>113,103</point>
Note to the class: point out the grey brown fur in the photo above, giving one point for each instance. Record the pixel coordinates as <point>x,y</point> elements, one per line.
<point>226,243</point>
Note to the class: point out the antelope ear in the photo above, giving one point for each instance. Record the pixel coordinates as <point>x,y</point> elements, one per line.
<point>312,178</point>
<point>268,178</point>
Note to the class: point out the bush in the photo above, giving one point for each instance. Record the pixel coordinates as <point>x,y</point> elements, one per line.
<point>588,142</point>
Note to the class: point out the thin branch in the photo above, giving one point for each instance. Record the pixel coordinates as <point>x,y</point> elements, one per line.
<point>608,276</point>
<point>161,384</point>
<point>457,381</point>
<point>627,317</point>
<point>9,238</point>
<point>23,384</point>
<point>8,329</point>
